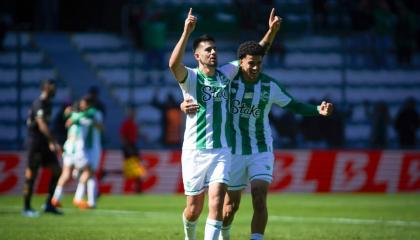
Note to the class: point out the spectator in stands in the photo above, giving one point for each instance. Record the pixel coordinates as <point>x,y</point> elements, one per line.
<point>360,43</point>
<point>42,149</point>
<point>135,21</point>
<point>379,120</point>
<point>172,121</point>
<point>334,127</point>
<point>3,31</point>
<point>407,124</point>
<point>320,15</point>
<point>129,134</point>
<point>384,28</point>
<point>154,36</point>
<point>405,35</point>
<point>286,126</point>
<point>312,133</point>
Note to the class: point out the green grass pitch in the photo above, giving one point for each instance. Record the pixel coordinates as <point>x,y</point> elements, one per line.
<point>291,216</point>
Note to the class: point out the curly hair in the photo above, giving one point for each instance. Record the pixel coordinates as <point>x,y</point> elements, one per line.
<point>202,38</point>
<point>250,48</point>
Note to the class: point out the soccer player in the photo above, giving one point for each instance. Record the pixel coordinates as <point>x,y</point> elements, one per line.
<point>92,126</point>
<point>206,154</point>
<point>82,132</point>
<point>42,149</point>
<point>252,94</point>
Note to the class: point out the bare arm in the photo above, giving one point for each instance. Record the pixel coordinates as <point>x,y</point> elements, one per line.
<point>273,27</point>
<point>175,61</point>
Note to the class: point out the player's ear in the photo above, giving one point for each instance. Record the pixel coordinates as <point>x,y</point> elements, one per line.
<point>196,56</point>
<point>241,62</point>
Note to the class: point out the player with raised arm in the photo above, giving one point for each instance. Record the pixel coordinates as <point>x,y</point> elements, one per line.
<point>252,94</point>
<point>206,154</point>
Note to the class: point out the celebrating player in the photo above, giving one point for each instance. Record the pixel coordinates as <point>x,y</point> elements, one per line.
<point>252,94</point>
<point>206,154</point>
<point>81,151</point>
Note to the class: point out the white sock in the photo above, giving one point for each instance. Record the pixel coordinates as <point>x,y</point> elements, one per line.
<point>58,193</point>
<point>80,192</point>
<point>257,236</point>
<point>189,228</point>
<point>225,233</point>
<point>91,191</point>
<point>212,229</point>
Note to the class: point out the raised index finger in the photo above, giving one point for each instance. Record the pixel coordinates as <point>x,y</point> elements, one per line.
<point>272,13</point>
<point>190,12</point>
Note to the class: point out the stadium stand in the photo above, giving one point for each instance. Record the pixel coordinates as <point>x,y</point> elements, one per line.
<point>314,66</point>
<point>35,67</point>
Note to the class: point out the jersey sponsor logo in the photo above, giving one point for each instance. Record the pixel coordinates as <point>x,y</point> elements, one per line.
<point>217,93</point>
<point>244,110</point>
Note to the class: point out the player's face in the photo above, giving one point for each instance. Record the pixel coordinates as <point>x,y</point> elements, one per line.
<point>251,67</point>
<point>83,105</point>
<point>206,54</point>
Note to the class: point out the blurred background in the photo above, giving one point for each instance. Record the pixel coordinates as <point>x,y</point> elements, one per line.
<point>361,55</point>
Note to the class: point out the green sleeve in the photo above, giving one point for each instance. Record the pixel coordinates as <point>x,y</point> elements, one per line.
<point>302,108</point>
<point>75,118</point>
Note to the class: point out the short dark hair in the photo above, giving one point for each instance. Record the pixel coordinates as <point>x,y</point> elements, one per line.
<point>45,82</point>
<point>202,38</point>
<point>250,48</point>
<point>89,100</point>
<point>93,90</point>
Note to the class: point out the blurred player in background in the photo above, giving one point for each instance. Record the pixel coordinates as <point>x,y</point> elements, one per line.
<point>81,152</point>
<point>252,94</point>
<point>42,149</point>
<point>91,122</point>
<point>206,153</point>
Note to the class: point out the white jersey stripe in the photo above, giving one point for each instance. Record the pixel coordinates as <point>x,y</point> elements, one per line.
<point>252,121</point>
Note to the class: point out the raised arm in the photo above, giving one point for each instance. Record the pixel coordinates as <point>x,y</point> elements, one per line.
<point>304,109</point>
<point>175,61</point>
<point>274,23</point>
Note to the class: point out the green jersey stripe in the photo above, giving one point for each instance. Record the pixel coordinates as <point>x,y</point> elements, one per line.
<point>201,115</point>
<point>207,128</point>
<point>233,91</point>
<point>244,118</point>
<point>260,124</point>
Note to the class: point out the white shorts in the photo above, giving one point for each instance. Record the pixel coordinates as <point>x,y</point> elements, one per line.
<point>203,167</point>
<point>93,156</point>
<point>77,160</point>
<point>246,168</point>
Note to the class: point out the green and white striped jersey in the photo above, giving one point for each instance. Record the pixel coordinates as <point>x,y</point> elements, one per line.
<point>82,135</point>
<point>75,141</point>
<point>249,107</point>
<point>209,128</point>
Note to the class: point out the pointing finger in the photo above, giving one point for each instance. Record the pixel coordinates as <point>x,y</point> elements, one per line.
<point>190,12</point>
<point>272,13</point>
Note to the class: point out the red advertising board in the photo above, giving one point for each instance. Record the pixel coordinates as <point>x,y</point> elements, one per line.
<point>294,171</point>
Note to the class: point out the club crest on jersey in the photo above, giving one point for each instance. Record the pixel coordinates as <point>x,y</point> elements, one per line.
<point>244,110</point>
<point>265,96</point>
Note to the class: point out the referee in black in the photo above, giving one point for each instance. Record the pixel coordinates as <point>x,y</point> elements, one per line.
<point>42,149</point>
